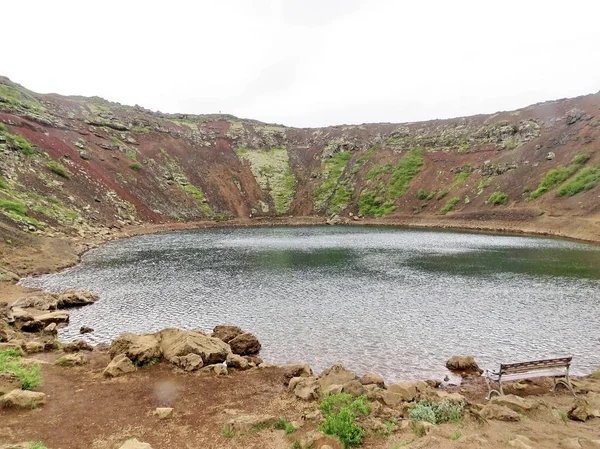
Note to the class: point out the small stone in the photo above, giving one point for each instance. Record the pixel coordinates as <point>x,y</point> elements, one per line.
<point>85,330</point>
<point>121,364</point>
<point>135,444</point>
<point>77,345</point>
<point>32,347</point>
<point>76,359</point>
<point>163,412</point>
<point>581,410</point>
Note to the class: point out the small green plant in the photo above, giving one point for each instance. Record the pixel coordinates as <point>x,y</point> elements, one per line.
<point>227,432</point>
<point>3,184</point>
<point>418,429</point>
<point>16,207</point>
<point>136,166</point>
<point>449,205</point>
<point>563,415</point>
<point>526,189</point>
<point>436,412</point>
<point>441,195</point>
<point>37,445</point>
<point>10,362</point>
<point>58,169</point>
<point>431,195</point>
<point>498,198</point>
<point>422,194</point>
<point>389,426</point>
<point>460,178</point>
<point>147,363</point>
<point>340,411</point>
<point>282,424</point>
<point>455,436</point>
<point>297,444</point>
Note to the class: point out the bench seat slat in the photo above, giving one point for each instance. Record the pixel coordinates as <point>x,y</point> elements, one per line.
<point>529,375</point>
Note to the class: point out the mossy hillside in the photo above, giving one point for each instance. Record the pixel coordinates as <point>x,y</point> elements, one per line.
<point>272,172</point>
<point>20,98</point>
<point>555,177</point>
<point>174,170</point>
<point>377,199</point>
<point>16,142</point>
<point>331,171</point>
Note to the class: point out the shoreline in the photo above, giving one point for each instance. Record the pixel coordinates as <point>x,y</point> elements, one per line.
<point>575,229</point>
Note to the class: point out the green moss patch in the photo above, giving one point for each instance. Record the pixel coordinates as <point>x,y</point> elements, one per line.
<point>272,172</point>
<point>331,170</point>
<point>557,176</point>
<point>498,198</point>
<point>449,205</point>
<point>586,179</point>
<point>59,169</point>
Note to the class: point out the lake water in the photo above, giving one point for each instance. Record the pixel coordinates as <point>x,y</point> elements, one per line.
<point>393,301</point>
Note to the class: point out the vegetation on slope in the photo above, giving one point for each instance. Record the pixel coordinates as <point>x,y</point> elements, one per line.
<point>586,179</point>
<point>272,172</point>
<point>557,176</point>
<point>331,170</point>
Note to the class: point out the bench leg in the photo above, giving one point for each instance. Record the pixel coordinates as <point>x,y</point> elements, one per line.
<point>566,382</point>
<point>491,391</point>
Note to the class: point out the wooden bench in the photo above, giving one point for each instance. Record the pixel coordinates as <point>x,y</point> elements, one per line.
<point>558,369</point>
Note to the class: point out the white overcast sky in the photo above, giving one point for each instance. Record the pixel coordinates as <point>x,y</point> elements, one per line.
<point>307,62</point>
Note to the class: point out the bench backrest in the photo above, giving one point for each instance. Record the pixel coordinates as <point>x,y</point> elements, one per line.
<point>523,367</point>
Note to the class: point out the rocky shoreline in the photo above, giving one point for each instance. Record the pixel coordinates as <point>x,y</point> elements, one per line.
<point>28,330</point>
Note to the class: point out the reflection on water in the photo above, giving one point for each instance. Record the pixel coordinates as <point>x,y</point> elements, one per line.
<point>393,301</point>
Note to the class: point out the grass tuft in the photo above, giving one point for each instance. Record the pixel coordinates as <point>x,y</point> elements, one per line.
<point>340,411</point>
<point>10,362</point>
<point>59,169</point>
<point>557,176</point>
<point>282,424</point>
<point>498,198</point>
<point>449,205</point>
<point>437,412</point>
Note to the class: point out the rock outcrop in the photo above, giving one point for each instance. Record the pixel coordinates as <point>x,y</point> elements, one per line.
<point>245,344</point>
<point>23,399</point>
<point>463,364</point>
<point>140,349</point>
<point>177,343</point>
<point>118,366</point>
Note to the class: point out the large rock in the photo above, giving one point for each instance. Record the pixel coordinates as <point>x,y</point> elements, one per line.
<point>244,423</point>
<point>237,362</point>
<point>135,444</point>
<point>177,343</point>
<point>500,413</point>
<point>189,362</point>
<point>140,349</point>
<point>297,370</point>
<point>77,345</point>
<point>463,363</point>
<point>581,410</point>
<point>8,383</point>
<point>39,322</point>
<point>245,344</point>
<point>354,388</point>
<point>33,346</point>
<point>53,301</point>
<point>226,333</point>
<point>406,390</point>
<point>335,375</point>
<point>75,359</point>
<point>6,313</point>
<point>306,388</point>
<point>390,398</point>
<point>516,403</point>
<point>23,399</point>
<point>121,364</point>
<point>372,379</point>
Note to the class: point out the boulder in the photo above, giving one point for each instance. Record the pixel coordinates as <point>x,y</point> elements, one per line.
<point>189,362</point>
<point>306,388</point>
<point>39,322</point>
<point>31,347</point>
<point>390,398</point>
<point>237,362</point>
<point>121,364</point>
<point>163,412</point>
<point>177,343</point>
<point>23,399</point>
<point>76,359</point>
<point>244,423</point>
<point>141,349</point>
<point>335,375</point>
<point>76,346</point>
<point>85,330</point>
<point>135,444</point>
<point>297,370</point>
<point>51,329</point>
<point>406,390</point>
<point>370,379</point>
<point>463,363</point>
<point>515,403</point>
<point>581,410</point>
<point>8,383</point>
<point>226,333</point>
<point>354,388</point>
<point>245,344</point>
<point>15,345</point>
<point>76,298</point>
<point>500,413</point>
<point>332,389</point>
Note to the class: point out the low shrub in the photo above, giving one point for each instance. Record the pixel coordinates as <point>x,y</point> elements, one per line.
<point>282,424</point>
<point>441,195</point>
<point>584,180</point>
<point>498,198</point>
<point>557,176</point>
<point>136,166</point>
<point>16,207</point>
<point>436,412</point>
<point>340,411</point>
<point>422,194</point>
<point>58,169</point>
<point>449,205</point>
